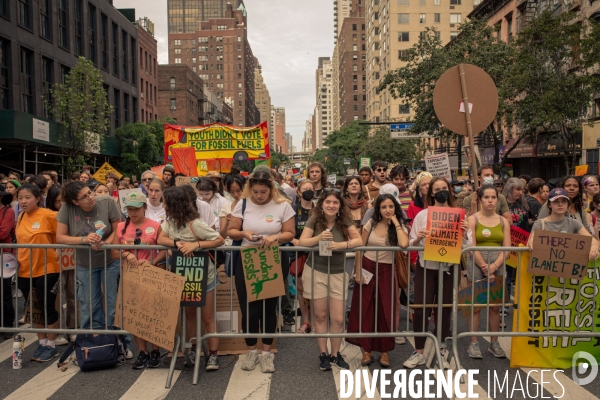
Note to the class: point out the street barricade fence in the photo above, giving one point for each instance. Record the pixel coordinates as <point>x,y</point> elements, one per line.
<point>468,297</point>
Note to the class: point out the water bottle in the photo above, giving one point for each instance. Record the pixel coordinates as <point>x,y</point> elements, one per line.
<point>18,348</point>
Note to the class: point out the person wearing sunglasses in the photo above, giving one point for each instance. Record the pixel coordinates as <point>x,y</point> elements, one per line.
<point>147,177</point>
<point>85,219</point>
<point>379,179</point>
<point>137,230</point>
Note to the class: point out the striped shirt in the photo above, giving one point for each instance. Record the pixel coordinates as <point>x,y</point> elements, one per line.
<point>405,199</point>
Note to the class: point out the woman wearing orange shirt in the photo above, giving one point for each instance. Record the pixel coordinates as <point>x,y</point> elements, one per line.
<point>38,268</point>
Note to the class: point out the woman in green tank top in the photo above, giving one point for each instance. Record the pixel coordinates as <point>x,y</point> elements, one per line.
<point>490,230</point>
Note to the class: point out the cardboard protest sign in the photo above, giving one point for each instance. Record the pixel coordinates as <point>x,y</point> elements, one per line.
<point>195,271</point>
<point>518,238</point>
<point>150,303</point>
<point>439,165</point>
<point>332,179</point>
<point>36,313</point>
<point>262,272</point>
<point>480,294</point>
<point>123,194</point>
<point>182,180</point>
<point>444,242</point>
<point>67,258</point>
<point>564,255</point>
<point>100,175</point>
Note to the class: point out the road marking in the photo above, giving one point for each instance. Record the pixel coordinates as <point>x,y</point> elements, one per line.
<point>248,384</point>
<point>150,385</point>
<point>6,347</point>
<point>571,389</point>
<point>44,384</point>
<point>353,358</point>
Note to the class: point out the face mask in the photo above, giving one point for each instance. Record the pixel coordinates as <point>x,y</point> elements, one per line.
<point>488,180</point>
<point>458,189</point>
<point>441,196</point>
<point>308,195</point>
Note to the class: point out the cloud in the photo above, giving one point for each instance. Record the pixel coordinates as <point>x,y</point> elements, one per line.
<point>287,37</point>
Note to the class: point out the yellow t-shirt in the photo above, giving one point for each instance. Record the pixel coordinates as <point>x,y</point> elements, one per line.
<point>38,227</point>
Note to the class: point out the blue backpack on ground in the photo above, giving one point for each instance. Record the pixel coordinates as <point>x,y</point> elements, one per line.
<point>95,352</point>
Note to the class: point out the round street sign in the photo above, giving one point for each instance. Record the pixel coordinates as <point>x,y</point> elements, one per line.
<point>482,94</point>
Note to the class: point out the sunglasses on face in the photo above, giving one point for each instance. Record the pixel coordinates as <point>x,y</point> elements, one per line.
<point>381,170</point>
<point>147,179</point>
<point>138,236</point>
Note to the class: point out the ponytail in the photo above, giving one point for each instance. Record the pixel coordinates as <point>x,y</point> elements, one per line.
<point>127,221</point>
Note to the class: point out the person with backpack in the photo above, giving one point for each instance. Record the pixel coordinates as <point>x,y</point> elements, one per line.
<point>39,267</point>
<point>139,230</point>
<point>7,235</point>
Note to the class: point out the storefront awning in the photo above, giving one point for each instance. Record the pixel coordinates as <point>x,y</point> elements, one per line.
<point>525,149</point>
<point>553,146</point>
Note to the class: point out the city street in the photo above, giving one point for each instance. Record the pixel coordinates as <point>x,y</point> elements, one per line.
<point>297,377</point>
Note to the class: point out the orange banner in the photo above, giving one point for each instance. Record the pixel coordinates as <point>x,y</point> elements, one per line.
<point>444,242</point>
<point>158,170</point>
<point>184,161</point>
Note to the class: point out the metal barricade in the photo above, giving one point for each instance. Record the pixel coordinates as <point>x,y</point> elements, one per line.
<point>530,331</point>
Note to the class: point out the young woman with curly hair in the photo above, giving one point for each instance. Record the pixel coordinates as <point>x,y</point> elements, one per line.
<point>324,278</point>
<point>386,228</point>
<point>184,230</point>
<point>263,216</point>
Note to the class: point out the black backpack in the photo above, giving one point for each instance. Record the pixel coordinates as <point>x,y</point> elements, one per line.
<point>95,352</point>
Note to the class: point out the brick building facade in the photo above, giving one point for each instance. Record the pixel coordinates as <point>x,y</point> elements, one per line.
<point>180,94</point>
<point>148,71</point>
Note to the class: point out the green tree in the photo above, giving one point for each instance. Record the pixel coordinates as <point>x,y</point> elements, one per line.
<point>278,159</point>
<point>557,77</point>
<point>343,144</point>
<point>380,146</point>
<point>80,104</point>
<point>428,59</point>
<point>140,147</point>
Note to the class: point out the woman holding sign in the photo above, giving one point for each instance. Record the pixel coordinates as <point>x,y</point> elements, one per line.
<point>426,273</point>
<point>491,230</point>
<point>263,217</point>
<point>324,278</point>
<point>558,208</point>
<point>184,230</point>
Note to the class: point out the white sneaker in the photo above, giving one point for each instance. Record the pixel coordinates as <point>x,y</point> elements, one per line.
<point>250,361</point>
<point>400,340</point>
<point>266,363</point>
<point>128,355</point>
<point>73,337</point>
<point>22,320</point>
<point>445,365</point>
<point>61,341</point>
<point>414,360</point>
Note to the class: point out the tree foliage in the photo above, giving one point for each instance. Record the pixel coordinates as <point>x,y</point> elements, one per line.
<point>277,159</point>
<point>557,76</point>
<point>80,104</point>
<point>141,145</point>
<point>380,146</point>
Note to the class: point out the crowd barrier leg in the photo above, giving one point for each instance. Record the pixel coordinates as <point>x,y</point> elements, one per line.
<point>173,363</point>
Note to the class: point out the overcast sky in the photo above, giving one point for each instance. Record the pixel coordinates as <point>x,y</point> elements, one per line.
<point>286,36</point>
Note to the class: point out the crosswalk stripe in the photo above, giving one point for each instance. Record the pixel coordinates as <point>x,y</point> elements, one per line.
<point>44,384</point>
<point>246,385</point>
<point>6,347</point>
<point>353,358</point>
<point>150,385</point>
<point>571,389</point>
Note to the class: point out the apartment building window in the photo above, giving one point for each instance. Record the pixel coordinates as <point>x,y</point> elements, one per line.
<point>403,2</point>
<point>354,27</point>
<point>509,28</point>
<point>354,78</point>
<point>133,62</point>
<point>436,18</point>
<point>354,47</point>
<point>239,85</point>
<point>177,51</point>
<point>104,41</point>
<point>421,18</point>
<point>46,19</point>
<point>403,36</point>
<point>24,11</point>
<point>421,2</point>
<point>453,35</point>
<point>125,108</point>
<point>4,8</point>
<point>134,108</point>
<point>117,107</point>
<point>402,54</point>
<point>92,27</point>
<point>193,60</point>
<point>404,109</point>
<point>455,2</point>
<point>355,97</point>
<point>221,27</point>
<point>177,42</point>
<point>438,35</point>
<point>219,39</point>
<point>79,28</point>
<point>4,75</point>
<point>173,104</point>
<point>173,83</point>
<point>115,49</point>
<point>239,48</point>
<point>47,81</point>
<point>436,2</point>
<point>355,68</point>
<point>64,71</point>
<point>178,61</point>
<point>63,23</point>
<point>219,48</point>
<point>403,18</point>
<point>26,80</point>
<point>455,18</point>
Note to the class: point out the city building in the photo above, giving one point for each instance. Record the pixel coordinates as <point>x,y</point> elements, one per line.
<point>335,89</point>
<point>219,53</point>
<point>351,77</point>
<point>341,10</point>
<point>263,102</point>
<point>323,110</point>
<point>392,27</point>
<point>307,139</point>
<point>148,71</point>
<point>180,94</point>
<point>40,42</point>
<point>288,142</point>
<point>216,110</point>
<point>184,15</point>
<point>278,121</point>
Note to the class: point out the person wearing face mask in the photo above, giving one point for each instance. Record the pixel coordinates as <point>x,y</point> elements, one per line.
<point>427,273</point>
<point>457,187</point>
<point>486,177</point>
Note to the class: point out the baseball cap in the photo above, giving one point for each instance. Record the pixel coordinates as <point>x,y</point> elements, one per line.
<point>135,199</point>
<point>557,193</point>
<point>169,168</point>
<point>389,188</point>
